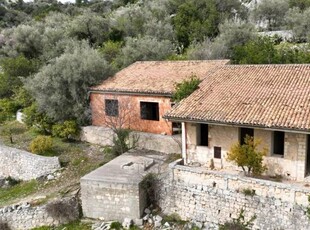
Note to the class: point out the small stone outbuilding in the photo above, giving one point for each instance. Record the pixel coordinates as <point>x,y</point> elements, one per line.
<point>114,191</point>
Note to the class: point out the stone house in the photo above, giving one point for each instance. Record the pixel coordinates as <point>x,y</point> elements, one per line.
<point>138,96</point>
<point>269,102</point>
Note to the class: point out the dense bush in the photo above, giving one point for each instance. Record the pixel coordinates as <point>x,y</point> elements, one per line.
<point>67,130</point>
<point>41,145</point>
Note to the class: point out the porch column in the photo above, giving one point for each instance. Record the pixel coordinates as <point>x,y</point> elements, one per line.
<point>184,143</point>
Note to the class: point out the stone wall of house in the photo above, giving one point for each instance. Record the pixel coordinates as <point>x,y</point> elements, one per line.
<point>213,198</point>
<point>23,165</point>
<point>157,142</point>
<point>112,201</point>
<point>25,216</point>
<point>291,165</point>
<point>129,113</point>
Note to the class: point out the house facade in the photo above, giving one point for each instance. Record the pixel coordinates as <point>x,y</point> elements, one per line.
<point>269,102</point>
<point>138,96</point>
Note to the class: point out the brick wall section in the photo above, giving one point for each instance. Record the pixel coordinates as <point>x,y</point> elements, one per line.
<point>23,165</point>
<point>291,165</point>
<point>213,198</point>
<point>129,109</point>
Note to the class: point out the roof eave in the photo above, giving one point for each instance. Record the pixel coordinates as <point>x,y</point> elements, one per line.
<point>125,92</point>
<point>236,124</point>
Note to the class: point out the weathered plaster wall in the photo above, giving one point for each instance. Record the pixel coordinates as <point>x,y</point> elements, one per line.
<point>291,165</point>
<point>25,216</point>
<point>157,142</point>
<point>23,165</point>
<point>129,112</point>
<point>213,198</point>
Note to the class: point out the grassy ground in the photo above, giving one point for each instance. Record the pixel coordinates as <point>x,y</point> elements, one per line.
<point>71,226</point>
<point>76,158</point>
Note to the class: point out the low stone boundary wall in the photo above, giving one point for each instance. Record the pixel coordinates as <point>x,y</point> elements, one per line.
<point>23,165</point>
<point>157,142</point>
<point>213,198</point>
<point>24,216</point>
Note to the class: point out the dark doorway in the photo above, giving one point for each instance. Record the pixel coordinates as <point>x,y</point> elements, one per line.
<point>204,135</point>
<point>308,156</point>
<point>244,132</point>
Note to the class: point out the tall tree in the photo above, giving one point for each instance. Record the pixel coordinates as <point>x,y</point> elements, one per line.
<point>60,88</point>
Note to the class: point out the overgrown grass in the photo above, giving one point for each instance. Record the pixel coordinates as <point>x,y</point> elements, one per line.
<point>76,225</point>
<point>17,191</point>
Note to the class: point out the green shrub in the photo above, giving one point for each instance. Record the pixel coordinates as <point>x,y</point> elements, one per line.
<point>37,120</point>
<point>68,130</point>
<point>185,88</point>
<point>248,192</point>
<point>248,156</point>
<point>173,218</point>
<point>116,225</point>
<point>239,223</point>
<point>12,181</point>
<point>41,144</point>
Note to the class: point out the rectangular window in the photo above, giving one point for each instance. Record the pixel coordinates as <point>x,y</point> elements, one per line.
<point>204,135</point>
<point>149,111</point>
<point>111,107</point>
<point>278,143</point>
<point>217,152</point>
<point>244,132</point>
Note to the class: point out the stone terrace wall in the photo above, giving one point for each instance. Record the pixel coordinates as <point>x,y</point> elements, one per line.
<point>213,198</point>
<point>23,165</point>
<point>24,216</point>
<point>157,142</point>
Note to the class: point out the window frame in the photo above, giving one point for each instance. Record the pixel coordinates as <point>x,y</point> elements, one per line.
<point>147,109</point>
<point>114,111</point>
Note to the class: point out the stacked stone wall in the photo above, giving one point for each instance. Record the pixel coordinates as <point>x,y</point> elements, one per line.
<point>213,198</point>
<point>25,216</point>
<point>157,142</point>
<point>23,165</point>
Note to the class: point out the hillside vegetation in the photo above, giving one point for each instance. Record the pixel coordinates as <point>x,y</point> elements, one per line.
<point>52,52</point>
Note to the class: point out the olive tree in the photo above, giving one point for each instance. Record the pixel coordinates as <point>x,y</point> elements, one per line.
<point>271,12</point>
<point>232,34</point>
<point>60,88</point>
<point>299,22</point>
<point>144,49</point>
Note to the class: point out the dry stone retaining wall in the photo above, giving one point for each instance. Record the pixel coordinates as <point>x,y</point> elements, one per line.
<point>213,198</point>
<point>157,142</point>
<point>24,216</point>
<point>23,165</point>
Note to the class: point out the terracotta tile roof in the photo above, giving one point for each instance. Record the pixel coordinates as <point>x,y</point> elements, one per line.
<point>273,96</point>
<point>156,76</point>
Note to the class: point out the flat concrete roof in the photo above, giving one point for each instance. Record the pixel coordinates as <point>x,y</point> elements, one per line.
<point>128,168</point>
